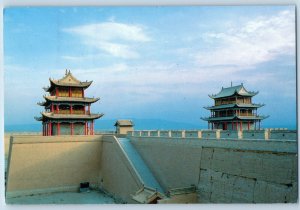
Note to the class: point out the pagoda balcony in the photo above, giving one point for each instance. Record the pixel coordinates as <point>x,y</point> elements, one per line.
<point>236,115</point>
<point>73,112</point>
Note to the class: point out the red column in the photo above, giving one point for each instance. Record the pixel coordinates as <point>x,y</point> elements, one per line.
<point>71,109</point>
<point>225,125</point>
<point>57,108</point>
<point>87,128</point>
<point>241,126</point>
<point>92,128</point>
<point>84,128</point>
<point>236,126</point>
<point>89,110</point>
<point>52,108</point>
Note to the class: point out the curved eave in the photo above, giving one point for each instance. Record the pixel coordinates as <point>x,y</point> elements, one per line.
<point>42,103</point>
<point>226,106</point>
<point>63,84</point>
<point>234,118</point>
<point>249,94</point>
<point>71,99</point>
<point>38,118</point>
<point>71,117</point>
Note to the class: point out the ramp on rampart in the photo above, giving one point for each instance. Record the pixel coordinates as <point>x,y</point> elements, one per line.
<point>142,169</point>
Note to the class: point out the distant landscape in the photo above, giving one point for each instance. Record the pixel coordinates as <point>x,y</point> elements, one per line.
<point>139,124</point>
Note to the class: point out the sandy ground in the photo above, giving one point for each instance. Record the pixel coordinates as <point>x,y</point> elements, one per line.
<point>92,197</point>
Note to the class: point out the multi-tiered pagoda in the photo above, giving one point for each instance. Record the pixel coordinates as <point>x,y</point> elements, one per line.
<point>67,110</point>
<point>234,110</point>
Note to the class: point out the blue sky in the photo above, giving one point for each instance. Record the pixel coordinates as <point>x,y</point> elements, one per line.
<point>152,62</point>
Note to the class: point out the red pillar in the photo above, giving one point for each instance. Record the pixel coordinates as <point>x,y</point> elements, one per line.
<point>248,125</point>
<point>89,110</point>
<point>241,126</point>
<point>92,128</point>
<point>84,128</point>
<point>236,126</point>
<point>52,108</point>
<point>225,125</point>
<point>71,109</point>
<point>70,92</point>
<point>57,108</point>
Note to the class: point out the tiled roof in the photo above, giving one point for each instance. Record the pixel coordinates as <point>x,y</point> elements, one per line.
<point>229,91</point>
<point>124,123</point>
<point>224,106</point>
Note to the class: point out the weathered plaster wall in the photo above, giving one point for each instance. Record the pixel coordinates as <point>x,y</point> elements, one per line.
<point>40,164</point>
<point>225,171</point>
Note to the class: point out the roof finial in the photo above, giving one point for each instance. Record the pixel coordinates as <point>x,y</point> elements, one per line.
<point>66,71</point>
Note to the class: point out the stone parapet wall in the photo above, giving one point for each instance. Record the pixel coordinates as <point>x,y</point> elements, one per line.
<point>266,134</point>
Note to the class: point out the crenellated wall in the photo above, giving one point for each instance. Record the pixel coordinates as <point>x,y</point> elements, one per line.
<point>266,134</point>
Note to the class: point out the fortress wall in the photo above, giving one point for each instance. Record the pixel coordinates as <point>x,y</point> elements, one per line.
<point>282,134</point>
<point>7,136</point>
<point>226,134</point>
<point>226,171</point>
<point>39,164</point>
<point>117,176</point>
<point>255,134</point>
<point>210,134</point>
<point>274,134</point>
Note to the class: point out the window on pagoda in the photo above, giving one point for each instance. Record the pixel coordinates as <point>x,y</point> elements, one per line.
<point>64,109</point>
<point>78,109</point>
<point>63,92</point>
<point>77,92</point>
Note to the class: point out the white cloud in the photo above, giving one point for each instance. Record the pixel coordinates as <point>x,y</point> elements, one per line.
<point>259,40</point>
<point>117,39</point>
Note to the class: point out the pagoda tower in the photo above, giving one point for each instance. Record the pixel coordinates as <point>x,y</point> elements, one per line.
<point>233,110</point>
<point>67,110</point>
